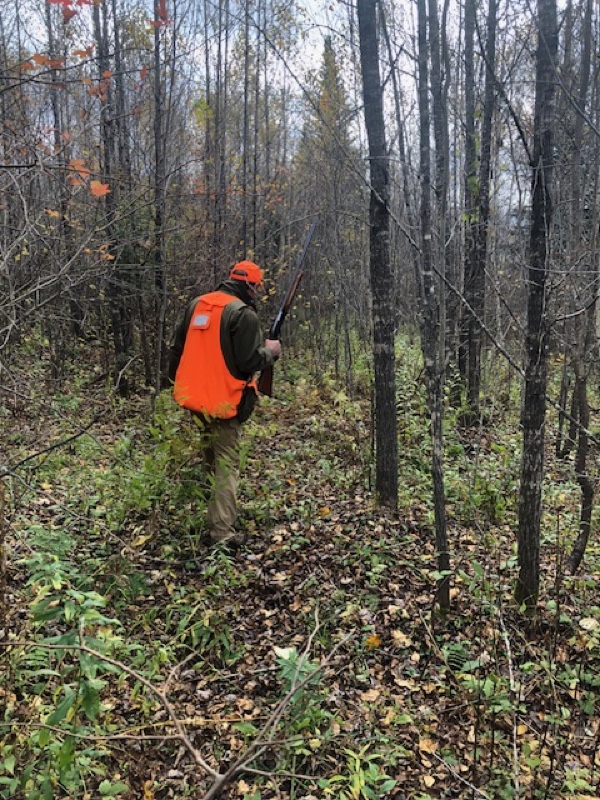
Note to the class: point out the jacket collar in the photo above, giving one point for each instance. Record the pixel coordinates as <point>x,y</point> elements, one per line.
<point>237,289</point>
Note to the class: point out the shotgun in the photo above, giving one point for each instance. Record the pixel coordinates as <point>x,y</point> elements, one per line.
<point>265,382</point>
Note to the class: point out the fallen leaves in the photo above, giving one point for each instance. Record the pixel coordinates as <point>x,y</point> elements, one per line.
<point>323,551</point>
<point>372,642</point>
<point>428,746</point>
<point>400,639</point>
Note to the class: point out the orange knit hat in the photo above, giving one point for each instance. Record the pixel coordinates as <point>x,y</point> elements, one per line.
<point>246,271</point>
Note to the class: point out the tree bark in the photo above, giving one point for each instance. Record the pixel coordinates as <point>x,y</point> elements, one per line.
<point>430,319</point>
<point>470,189</point>
<point>117,307</point>
<point>584,326</point>
<point>382,281</point>
<point>534,404</point>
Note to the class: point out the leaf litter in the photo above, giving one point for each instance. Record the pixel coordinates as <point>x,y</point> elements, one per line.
<point>413,704</point>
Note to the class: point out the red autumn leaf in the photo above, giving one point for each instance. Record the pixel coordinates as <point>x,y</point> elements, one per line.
<point>143,73</point>
<point>68,13</point>
<point>107,73</point>
<point>99,189</point>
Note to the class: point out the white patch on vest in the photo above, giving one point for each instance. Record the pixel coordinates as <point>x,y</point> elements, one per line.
<point>201,321</point>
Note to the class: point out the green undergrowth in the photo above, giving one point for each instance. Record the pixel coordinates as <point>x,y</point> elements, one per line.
<point>321,635</point>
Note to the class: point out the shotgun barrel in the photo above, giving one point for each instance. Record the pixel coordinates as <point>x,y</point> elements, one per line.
<point>265,382</point>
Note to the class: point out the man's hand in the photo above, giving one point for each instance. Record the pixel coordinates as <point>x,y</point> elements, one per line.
<point>274,345</point>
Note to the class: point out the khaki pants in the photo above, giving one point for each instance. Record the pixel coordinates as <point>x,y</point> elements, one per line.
<point>221,442</point>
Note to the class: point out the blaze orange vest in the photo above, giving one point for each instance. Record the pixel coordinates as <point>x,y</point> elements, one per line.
<point>203,383</point>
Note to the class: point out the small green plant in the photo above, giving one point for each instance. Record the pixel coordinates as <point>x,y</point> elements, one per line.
<point>362,778</point>
<point>61,683</point>
<point>306,711</point>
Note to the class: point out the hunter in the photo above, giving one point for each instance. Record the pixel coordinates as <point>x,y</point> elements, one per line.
<point>216,353</point>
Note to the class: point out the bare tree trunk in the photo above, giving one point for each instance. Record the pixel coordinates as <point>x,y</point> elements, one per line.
<point>534,405</point>
<point>439,90</point>
<point>3,538</point>
<point>470,189</point>
<point>160,278</point>
<point>585,337</point>
<point>382,280</point>
<point>117,308</point>
<point>562,404</point>
<point>219,159</point>
<point>584,478</point>
<point>56,329</point>
<point>477,203</point>
<point>246,129</point>
<point>430,319</point>
<point>483,215</point>
<point>256,137</point>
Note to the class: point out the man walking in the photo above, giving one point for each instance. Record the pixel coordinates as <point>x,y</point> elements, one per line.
<point>216,353</point>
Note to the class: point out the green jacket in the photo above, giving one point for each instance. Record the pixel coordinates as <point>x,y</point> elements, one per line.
<point>241,336</point>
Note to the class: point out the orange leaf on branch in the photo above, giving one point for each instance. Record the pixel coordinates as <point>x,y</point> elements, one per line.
<point>40,59</point>
<point>84,53</point>
<point>99,189</point>
<point>79,165</point>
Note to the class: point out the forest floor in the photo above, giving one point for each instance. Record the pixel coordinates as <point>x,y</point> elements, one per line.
<point>134,656</point>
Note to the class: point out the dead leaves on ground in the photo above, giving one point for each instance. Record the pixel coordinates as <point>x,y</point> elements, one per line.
<point>319,551</point>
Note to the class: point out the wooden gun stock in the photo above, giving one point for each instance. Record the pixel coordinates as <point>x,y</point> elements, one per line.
<point>265,382</point>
